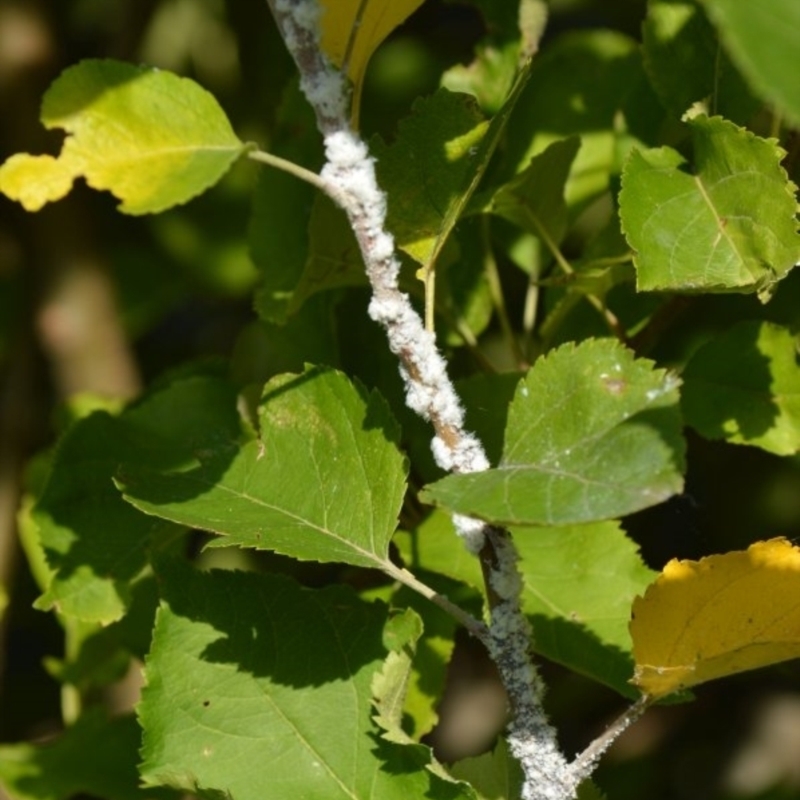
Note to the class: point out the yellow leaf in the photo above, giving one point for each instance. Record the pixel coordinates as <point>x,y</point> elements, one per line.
<point>353,29</point>
<point>702,620</point>
<point>34,181</point>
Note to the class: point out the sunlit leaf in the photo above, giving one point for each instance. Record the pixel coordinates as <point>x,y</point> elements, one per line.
<point>725,223</point>
<point>592,434</point>
<point>151,138</point>
<point>580,85</point>
<point>430,183</point>
<point>258,689</point>
<point>323,481</point>
<point>513,34</point>
<point>724,614</point>
<point>353,29</point>
<point>34,181</point>
<point>428,168</point>
<point>744,386</point>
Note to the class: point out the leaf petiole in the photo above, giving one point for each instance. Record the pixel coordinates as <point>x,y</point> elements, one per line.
<point>289,166</point>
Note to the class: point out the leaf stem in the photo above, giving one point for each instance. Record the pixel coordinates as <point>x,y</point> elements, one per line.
<point>496,291</point>
<point>430,297</point>
<point>529,313</point>
<point>472,625</point>
<point>289,166</point>
<point>585,763</point>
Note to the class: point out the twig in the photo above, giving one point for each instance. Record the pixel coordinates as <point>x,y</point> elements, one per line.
<point>583,766</point>
<point>472,625</point>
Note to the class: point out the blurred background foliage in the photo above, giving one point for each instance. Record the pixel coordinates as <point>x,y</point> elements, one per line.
<point>95,303</point>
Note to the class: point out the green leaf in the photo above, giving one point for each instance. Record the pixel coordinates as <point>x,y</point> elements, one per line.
<point>264,350</point>
<point>95,757</point>
<point>427,170</point>
<point>592,434</point>
<point>151,138</point>
<point>579,85</point>
<point>726,224</point>
<point>324,480</point>
<point>449,173</point>
<point>329,257</point>
<point>744,386</point>
<point>257,688</point>
<point>496,775</point>
<point>685,63</point>
<point>390,686</point>
<point>534,199</point>
<point>99,655</point>
<point>426,679</point>
<point>78,507</point>
<point>589,791</point>
<point>513,34</point>
<point>763,39</point>
<point>579,583</point>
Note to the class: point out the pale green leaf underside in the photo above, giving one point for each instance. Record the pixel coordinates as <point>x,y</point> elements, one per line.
<point>764,40</point>
<point>261,690</point>
<point>592,434</point>
<point>153,139</point>
<point>744,387</point>
<point>726,223</point>
<point>324,482</point>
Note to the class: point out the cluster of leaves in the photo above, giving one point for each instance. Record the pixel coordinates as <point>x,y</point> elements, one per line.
<point>667,154</point>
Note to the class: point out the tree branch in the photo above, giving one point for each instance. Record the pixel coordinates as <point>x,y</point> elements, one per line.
<point>349,178</point>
